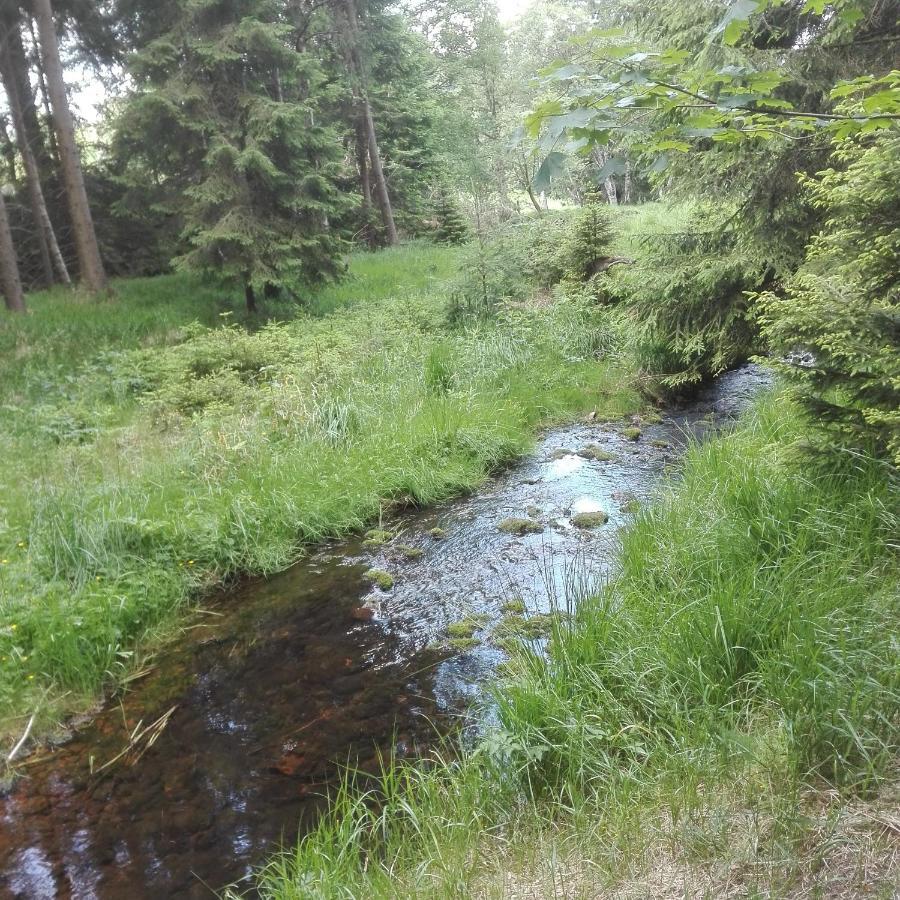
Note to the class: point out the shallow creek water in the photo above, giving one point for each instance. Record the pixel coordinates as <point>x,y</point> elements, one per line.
<point>288,677</point>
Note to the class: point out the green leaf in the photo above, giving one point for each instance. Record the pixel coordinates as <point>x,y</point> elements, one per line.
<point>552,167</point>
<point>563,73</point>
<point>736,20</point>
<point>615,165</point>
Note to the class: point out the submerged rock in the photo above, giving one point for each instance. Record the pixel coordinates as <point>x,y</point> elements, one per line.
<point>596,452</point>
<point>437,533</point>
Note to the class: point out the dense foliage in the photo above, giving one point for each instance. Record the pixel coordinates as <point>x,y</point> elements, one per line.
<point>837,324</point>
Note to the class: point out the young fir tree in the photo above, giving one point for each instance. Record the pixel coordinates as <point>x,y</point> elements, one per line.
<point>227,110</point>
<point>451,226</point>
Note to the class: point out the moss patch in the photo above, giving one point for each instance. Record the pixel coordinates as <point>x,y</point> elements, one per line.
<point>379,577</point>
<point>411,552</point>
<point>633,433</point>
<point>520,526</point>
<point>590,519</point>
<point>462,644</point>
<point>377,537</point>
<point>437,533</point>
<point>513,607</point>
<point>595,451</point>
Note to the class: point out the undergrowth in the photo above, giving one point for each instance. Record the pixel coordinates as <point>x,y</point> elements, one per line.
<point>153,456</point>
<point>718,719</point>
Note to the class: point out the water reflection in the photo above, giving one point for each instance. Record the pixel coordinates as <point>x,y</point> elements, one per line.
<point>291,680</point>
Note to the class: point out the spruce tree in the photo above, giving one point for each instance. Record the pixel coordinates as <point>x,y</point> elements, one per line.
<point>230,109</point>
<point>451,226</point>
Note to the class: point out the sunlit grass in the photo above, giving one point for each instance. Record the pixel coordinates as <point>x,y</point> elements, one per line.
<point>151,456</point>
<point>679,733</point>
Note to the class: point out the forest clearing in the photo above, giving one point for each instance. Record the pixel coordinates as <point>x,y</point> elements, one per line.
<point>450,449</point>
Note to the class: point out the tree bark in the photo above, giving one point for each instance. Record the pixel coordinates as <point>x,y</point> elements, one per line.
<point>365,108</point>
<point>42,87</point>
<point>250,298</point>
<point>51,257</point>
<point>9,266</point>
<point>381,188</point>
<point>626,186</point>
<point>9,151</point>
<point>93,275</point>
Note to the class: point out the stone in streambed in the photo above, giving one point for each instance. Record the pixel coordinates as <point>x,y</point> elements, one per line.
<point>520,526</point>
<point>590,519</point>
<point>383,579</point>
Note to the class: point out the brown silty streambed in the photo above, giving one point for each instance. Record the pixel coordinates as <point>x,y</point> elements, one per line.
<point>294,675</point>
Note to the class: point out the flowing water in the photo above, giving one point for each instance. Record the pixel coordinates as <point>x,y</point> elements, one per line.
<point>240,728</point>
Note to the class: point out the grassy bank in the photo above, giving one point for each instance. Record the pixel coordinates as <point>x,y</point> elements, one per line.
<point>153,447</point>
<point>721,720</point>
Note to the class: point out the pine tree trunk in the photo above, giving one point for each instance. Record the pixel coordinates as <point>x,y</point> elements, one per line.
<point>51,257</point>
<point>9,266</point>
<point>377,170</point>
<point>16,63</point>
<point>93,275</point>
<point>381,188</point>
<point>626,187</point>
<point>45,97</point>
<point>9,152</point>
<point>250,298</point>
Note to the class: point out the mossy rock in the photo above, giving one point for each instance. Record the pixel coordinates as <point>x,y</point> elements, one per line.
<point>520,526</point>
<point>532,511</point>
<point>537,626</point>
<point>590,519</point>
<point>596,452</point>
<point>377,537</point>
<point>660,445</point>
<point>465,628</point>
<point>562,453</point>
<point>379,577</point>
<point>651,418</point>
<point>411,553</point>
<point>437,533</point>
<point>633,433</point>
<point>514,607</point>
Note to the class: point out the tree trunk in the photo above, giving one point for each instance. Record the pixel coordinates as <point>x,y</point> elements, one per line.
<point>42,87</point>
<point>365,180</point>
<point>9,266</point>
<point>9,151</point>
<point>381,188</point>
<point>250,298</point>
<point>51,257</point>
<point>93,275</point>
<point>380,184</point>
<point>16,63</point>
<point>626,187</point>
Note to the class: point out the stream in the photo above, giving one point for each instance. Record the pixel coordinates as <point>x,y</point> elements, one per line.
<point>241,727</point>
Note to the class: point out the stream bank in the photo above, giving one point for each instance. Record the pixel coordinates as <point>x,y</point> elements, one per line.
<point>241,726</point>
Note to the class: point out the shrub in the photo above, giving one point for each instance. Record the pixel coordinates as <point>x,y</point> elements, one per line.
<point>524,257</point>
<point>837,324</point>
<point>687,305</point>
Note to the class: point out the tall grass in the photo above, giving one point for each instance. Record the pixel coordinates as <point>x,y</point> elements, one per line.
<point>177,454</point>
<point>744,655</point>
